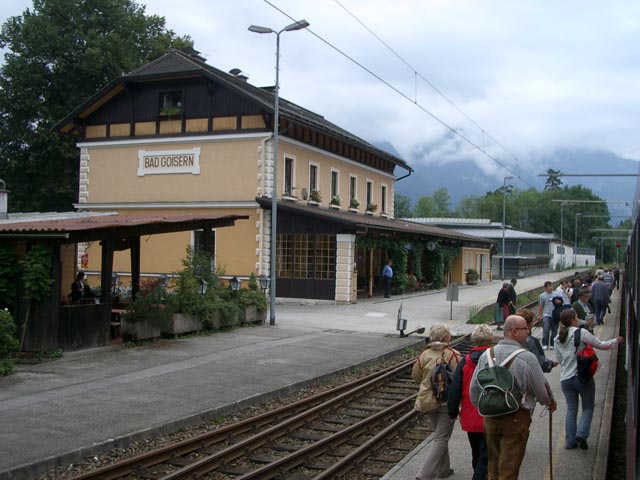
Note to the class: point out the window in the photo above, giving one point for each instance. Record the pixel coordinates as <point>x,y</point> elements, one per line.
<point>306,256</point>
<point>369,192</point>
<point>199,245</point>
<point>383,199</point>
<point>334,183</point>
<point>284,256</point>
<point>353,187</point>
<point>170,103</point>
<point>288,176</point>
<point>313,177</point>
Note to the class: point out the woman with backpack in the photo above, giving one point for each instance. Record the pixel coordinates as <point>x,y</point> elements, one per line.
<point>470,420</point>
<point>432,401</point>
<point>570,341</point>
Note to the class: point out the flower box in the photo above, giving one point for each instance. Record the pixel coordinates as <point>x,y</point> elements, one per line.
<point>183,323</point>
<point>353,210</point>
<point>313,203</point>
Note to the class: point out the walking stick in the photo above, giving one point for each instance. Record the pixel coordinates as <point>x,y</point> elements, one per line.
<point>550,445</point>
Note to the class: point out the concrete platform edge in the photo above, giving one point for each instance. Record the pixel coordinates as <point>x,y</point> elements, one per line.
<point>602,457</point>
<point>75,456</point>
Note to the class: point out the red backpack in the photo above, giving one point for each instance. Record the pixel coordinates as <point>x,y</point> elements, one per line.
<point>586,358</point>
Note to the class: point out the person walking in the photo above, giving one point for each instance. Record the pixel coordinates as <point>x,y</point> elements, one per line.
<point>576,434</point>
<point>436,463</point>
<point>507,435</point>
<point>533,344</point>
<point>387,276</point>
<point>583,309</point>
<point>503,305</point>
<point>600,298</point>
<point>545,312</point>
<point>460,404</point>
<point>513,296</point>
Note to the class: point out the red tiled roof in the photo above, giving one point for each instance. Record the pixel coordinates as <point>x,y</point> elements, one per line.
<point>67,223</point>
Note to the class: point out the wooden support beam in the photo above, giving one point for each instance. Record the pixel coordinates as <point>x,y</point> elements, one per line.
<point>134,242</point>
<point>107,270</point>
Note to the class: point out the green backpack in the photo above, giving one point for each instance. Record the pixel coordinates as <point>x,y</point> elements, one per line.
<point>499,394</point>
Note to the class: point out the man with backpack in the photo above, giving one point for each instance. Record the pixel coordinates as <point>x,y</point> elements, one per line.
<point>507,433</point>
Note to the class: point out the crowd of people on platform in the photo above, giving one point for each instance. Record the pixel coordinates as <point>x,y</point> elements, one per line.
<point>498,443</point>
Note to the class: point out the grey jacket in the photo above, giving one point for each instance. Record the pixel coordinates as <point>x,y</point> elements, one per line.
<point>526,373</point>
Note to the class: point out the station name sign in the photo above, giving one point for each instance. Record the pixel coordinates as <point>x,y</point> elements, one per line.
<point>169,161</point>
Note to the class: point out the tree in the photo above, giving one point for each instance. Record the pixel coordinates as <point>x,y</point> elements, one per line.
<point>441,201</point>
<point>401,206</point>
<point>60,53</point>
<point>554,180</point>
<point>424,207</point>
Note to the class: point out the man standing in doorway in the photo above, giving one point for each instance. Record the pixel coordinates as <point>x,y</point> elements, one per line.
<point>387,276</point>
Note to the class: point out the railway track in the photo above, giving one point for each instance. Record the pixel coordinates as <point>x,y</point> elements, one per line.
<point>321,437</point>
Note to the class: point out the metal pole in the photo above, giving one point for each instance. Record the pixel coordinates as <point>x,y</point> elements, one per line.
<point>274,194</point>
<point>561,244</point>
<point>575,243</point>
<point>504,215</point>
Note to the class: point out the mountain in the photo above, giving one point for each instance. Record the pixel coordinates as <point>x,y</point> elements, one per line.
<point>463,176</point>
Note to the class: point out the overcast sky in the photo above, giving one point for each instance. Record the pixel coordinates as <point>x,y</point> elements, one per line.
<point>535,74</point>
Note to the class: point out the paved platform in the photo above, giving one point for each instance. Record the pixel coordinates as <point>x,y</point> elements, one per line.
<point>577,464</point>
<point>93,400</point>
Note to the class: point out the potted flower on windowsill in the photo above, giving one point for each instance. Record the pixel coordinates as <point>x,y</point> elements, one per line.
<point>371,208</point>
<point>353,205</point>
<point>171,111</point>
<point>315,198</point>
<point>335,202</point>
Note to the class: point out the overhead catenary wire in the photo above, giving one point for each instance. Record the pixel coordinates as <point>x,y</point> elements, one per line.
<point>427,81</point>
<point>408,98</point>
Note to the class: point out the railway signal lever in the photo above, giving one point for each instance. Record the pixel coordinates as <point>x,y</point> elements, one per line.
<point>401,325</point>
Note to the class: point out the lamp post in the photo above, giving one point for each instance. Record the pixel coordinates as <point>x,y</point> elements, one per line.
<point>504,218</point>
<point>274,198</point>
<point>575,243</point>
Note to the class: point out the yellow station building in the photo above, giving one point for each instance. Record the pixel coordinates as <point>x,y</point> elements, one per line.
<point>180,136</point>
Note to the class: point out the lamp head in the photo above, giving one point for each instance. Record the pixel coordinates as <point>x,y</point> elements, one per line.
<point>299,25</point>
<point>258,29</point>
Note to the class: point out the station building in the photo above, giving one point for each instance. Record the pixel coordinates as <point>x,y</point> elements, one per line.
<point>180,136</point>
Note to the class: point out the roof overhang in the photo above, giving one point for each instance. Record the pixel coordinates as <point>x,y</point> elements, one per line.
<point>371,225</point>
<point>84,228</point>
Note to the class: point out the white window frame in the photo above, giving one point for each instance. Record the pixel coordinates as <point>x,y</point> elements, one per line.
<point>384,191</point>
<point>284,174</point>
<point>353,194</point>
<point>215,245</point>
<point>337,192</point>
<point>317,179</point>
<point>367,191</point>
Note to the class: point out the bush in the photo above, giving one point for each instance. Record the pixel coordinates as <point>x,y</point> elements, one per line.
<point>155,306</point>
<point>8,342</point>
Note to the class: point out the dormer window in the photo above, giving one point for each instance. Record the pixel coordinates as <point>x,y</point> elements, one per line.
<point>170,104</point>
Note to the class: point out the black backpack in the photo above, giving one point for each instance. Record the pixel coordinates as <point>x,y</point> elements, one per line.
<point>441,379</point>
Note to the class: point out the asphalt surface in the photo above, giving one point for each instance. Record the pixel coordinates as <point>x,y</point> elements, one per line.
<point>93,400</point>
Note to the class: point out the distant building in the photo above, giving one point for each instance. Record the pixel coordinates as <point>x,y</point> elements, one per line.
<point>525,254</point>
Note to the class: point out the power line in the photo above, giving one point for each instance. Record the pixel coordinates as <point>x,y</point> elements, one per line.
<point>406,97</point>
<point>422,77</point>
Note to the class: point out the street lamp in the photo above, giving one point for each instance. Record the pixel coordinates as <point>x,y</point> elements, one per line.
<point>504,215</point>
<point>575,243</point>
<point>274,198</point>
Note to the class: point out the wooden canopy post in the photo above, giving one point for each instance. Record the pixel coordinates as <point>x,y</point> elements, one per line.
<point>370,272</point>
<point>107,270</point>
<point>135,265</point>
